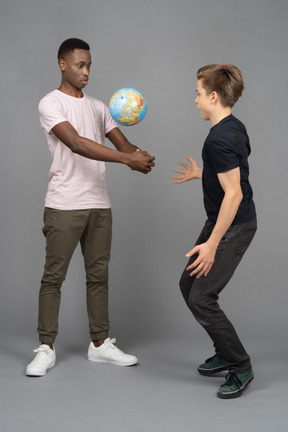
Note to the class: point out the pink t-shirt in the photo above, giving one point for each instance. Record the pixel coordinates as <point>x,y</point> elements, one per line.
<point>75,182</point>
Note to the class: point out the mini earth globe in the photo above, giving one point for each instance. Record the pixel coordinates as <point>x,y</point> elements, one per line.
<point>128,106</point>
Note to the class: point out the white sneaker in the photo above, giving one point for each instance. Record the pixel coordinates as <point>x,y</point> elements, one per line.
<point>45,359</point>
<point>109,353</point>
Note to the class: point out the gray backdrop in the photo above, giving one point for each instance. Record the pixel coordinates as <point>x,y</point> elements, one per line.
<point>155,46</point>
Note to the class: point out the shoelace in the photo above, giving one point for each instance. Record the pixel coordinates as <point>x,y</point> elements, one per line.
<point>232,379</point>
<point>41,354</point>
<point>38,350</point>
<point>110,344</point>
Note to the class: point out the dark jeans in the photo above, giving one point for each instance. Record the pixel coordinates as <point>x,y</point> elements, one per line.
<point>201,295</point>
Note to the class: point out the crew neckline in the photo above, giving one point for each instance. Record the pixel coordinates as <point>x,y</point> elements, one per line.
<point>70,96</point>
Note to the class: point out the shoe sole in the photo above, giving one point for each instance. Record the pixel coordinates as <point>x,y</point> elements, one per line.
<point>38,374</point>
<point>208,372</point>
<point>114,362</point>
<point>237,393</point>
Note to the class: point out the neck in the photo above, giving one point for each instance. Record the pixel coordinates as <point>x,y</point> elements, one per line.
<point>71,91</point>
<point>217,116</point>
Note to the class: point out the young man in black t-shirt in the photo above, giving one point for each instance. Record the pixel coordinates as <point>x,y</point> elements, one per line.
<point>231,223</point>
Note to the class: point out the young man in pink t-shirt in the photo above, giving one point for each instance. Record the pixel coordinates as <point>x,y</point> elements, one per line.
<point>77,204</point>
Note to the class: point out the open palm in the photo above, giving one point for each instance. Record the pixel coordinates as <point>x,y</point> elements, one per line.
<point>189,172</point>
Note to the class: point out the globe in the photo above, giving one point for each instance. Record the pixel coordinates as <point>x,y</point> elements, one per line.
<point>128,106</point>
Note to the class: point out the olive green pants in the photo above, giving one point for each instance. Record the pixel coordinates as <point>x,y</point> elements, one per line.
<point>63,230</point>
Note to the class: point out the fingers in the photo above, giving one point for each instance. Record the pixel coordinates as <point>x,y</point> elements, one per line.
<point>192,252</point>
<point>151,158</point>
<point>178,177</point>
<point>190,159</point>
<point>149,163</point>
<point>186,173</point>
<point>184,165</point>
<point>144,168</point>
<point>201,266</point>
<point>148,167</point>
<point>179,171</point>
<point>200,269</point>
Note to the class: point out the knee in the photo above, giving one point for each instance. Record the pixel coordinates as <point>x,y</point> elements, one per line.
<point>205,309</point>
<point>185,285</point>
<point>201,306</point>
<point>196,304</point>
<point>51,283</point>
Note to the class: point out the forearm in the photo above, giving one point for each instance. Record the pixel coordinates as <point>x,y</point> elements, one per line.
<point>227,213</point>
<point>120,141</point>
<point>207,251</point>
<point>85,147</point>
<point>136,160</point>
<point>128,147</point>
<point>92,150</point>
<point>230,183</point>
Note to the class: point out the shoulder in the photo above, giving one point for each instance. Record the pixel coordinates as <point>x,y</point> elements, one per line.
<point>228,131</point>
<point>51,99</point>
<point>231,125</point>
<point>53,108</point>
<point>53,95</point>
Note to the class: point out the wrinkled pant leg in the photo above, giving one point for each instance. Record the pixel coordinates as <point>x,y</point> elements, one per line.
<point>62,230</point>
<point>96,247</point>
<point>202,298</point>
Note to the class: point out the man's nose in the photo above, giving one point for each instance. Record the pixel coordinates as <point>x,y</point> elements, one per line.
<point>86,70</point>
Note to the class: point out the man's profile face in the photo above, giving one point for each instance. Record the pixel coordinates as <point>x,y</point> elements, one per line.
<point>75,67</point>
<point>203,101</point>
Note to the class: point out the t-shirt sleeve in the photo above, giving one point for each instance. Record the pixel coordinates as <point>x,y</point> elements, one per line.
<point>51,113</point>
<point>224,154</point>
<point>109,122</point>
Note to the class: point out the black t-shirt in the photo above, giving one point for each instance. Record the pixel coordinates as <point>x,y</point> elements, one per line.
<point>227,147</point>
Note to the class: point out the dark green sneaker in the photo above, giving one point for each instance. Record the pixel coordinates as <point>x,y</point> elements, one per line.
<point>211,366</point>
<point>235,384</point>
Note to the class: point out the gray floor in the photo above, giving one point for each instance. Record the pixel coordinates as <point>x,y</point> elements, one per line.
<point>163,393</point>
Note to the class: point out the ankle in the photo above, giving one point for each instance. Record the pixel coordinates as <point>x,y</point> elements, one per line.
<point>97,343</point>
<point>49,344</point>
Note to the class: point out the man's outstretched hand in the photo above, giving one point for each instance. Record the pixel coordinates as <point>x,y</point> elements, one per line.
<point>190,172</point>
<point>141,161</point>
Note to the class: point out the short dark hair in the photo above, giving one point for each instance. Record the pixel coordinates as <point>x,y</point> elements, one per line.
<point>225,79</point>
<point>69,45</point>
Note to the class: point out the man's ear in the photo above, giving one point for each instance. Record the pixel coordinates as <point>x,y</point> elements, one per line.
<point>214,97</point>
<point>62,65</point>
